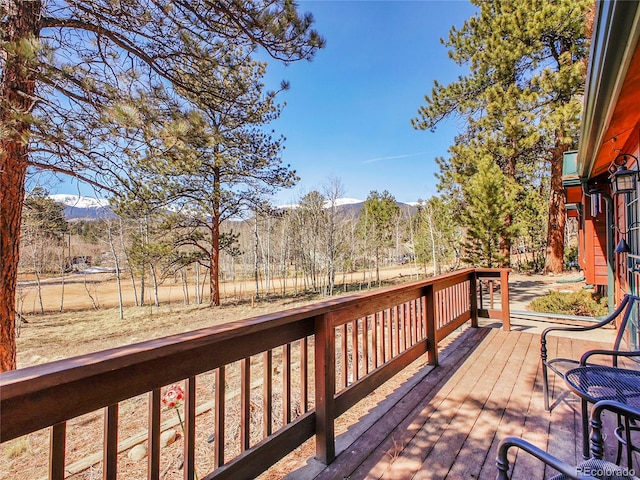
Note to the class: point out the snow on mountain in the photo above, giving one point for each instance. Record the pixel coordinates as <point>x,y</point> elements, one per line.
<point>343,201</point>
<point>88,208</point>
<point>80,202</point>
<point>78,207</point>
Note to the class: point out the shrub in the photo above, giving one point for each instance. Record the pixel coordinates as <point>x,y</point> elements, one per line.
<point>581,302</point>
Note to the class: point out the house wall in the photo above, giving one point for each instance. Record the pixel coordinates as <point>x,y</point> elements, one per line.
<point>595,238</point>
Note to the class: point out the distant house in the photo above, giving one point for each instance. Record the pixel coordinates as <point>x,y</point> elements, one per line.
<point>601,179</point>
<point>79,262</point>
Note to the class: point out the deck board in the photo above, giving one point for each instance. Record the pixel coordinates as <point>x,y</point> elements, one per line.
<point>448,424</point>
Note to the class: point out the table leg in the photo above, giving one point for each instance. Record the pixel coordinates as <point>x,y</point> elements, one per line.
<point>585,430</point>
<point>627,426</point>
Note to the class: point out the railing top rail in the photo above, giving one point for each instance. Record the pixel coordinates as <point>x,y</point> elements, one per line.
<point>491,272</point>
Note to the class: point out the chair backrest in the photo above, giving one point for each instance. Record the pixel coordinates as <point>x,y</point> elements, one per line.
<point>628,335</point>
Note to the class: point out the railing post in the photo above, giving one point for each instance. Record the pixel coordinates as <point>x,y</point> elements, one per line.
<point>429,309</point>
<point>153,461</point>
<point>473,299</point>
<point>325,368</point>
<point>504,294</point>
<point>110,444</point>
<point>57,448</point>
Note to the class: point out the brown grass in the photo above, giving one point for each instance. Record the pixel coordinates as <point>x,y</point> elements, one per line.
<point>53,336</point>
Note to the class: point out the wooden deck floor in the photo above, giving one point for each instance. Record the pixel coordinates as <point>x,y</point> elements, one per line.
<point>446,422</point>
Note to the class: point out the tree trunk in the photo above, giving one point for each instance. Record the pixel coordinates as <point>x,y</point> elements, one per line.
<point>118,273</point>
<point>509,170</point>
<point>36,271</point>
<point>16,102</point>
<point>198,281</point>
<point>214,258</point>
<point>62,272</point>
<point>154,277</point>
<point>255,255</point>
<point>214,265</point>
<point>554,260</point>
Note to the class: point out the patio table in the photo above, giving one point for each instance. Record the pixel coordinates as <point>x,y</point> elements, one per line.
<point>596,382</point>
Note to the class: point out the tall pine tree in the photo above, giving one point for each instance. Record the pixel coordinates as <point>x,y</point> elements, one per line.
<point>521,97</point>
<point>63,63</point>
<point>488,201</point>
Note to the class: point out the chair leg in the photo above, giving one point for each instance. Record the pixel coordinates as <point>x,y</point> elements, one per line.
<point>545,374</point>
<point>627,428</point>
<point>619,452</point>
<point>585,430</point>
<point>545,387</point>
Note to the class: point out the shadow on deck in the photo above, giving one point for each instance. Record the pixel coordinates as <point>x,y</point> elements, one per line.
<point>446,422</point>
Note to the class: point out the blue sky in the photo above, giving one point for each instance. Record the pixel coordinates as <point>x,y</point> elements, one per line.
<point>348,112</point>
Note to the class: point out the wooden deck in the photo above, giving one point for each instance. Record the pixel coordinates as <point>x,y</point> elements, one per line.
<point>446,422</point>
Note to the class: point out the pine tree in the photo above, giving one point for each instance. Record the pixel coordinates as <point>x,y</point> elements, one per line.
<point>521,99</point>
<point>63,64</point>
<point>488,201</point>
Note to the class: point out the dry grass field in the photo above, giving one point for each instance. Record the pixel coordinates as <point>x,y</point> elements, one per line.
<point>83,329</point>
<point>47,337</point>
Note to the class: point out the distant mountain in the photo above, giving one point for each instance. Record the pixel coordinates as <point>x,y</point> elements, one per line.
<point>83,208</point>
<point>89,208</point>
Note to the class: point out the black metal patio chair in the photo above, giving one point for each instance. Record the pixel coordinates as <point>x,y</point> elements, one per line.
<point>626,343</point>
<point>592,469</point>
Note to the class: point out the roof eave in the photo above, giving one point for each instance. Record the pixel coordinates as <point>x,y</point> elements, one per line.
<point>615,36</point>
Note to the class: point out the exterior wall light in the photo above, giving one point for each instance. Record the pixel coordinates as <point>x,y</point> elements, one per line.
<point>623,179</point>
<point>623,246</point>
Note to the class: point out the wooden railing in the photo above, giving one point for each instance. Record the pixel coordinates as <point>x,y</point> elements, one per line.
<point>272,381</point>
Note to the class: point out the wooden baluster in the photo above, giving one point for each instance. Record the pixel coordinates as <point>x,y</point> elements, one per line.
<point>365,345</point>
<point>450,311</point>
<point>406,328</point>
<point>57,448</point>
<point>267,402</point>
<point>286,384</point>
<point>419,320</point>
<point>396,328</point>
<point>325,387</point>
<point>304,374</point>
<point>412,321</point>
<point>344,353</point>
<point>110,443</point>
<point>355,351</point>
<point>430,320</point>
<point>390,333</point>
<point>245,403</point>
<point>374,340</point>
<point>190,429</point>
<point>383,335</point>
<point>219,417</point>
<point>153,469</point>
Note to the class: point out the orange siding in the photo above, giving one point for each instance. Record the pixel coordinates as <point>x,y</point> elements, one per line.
<point>595,236</point>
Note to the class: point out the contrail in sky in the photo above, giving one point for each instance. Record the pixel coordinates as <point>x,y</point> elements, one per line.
<point>381,159</point>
